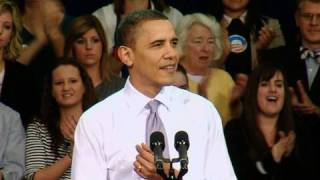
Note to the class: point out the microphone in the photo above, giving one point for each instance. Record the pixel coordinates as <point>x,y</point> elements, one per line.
<point>157,145</point>
<point>181,143</point>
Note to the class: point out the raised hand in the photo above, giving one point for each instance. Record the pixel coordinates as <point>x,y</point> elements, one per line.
<point>304,105</point>
<point>54,14</point>
<point>38,29</point>
<point>291,143</point>
<point>266,35</point>
<point>239,87</point>
<point>68,127</point>
<point>283,147</point>
<point>144,164</point>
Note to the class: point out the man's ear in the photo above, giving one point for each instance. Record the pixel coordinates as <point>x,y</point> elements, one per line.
<point>125,55</point>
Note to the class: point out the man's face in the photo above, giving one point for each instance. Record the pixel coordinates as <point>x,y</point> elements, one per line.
<point>308,20</point>
<point>153,56</point>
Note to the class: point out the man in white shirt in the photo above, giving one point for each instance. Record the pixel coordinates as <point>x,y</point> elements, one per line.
<point>110,137</point>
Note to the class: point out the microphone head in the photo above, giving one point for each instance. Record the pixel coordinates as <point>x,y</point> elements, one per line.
<point>157,139</point>
<point>181,138</point>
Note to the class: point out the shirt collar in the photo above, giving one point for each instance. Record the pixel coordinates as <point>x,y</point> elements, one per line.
<point>137,101</point>
<point>228,19</point>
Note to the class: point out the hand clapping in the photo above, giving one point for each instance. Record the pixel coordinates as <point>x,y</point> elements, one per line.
<point>266,35</point>
<point>284,146</point>
<point>144,164</point>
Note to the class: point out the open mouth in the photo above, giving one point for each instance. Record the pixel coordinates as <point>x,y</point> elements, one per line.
<point>204,59</point>
<point>66,95</point>
<point>272,98</point>
<point>170,67</point>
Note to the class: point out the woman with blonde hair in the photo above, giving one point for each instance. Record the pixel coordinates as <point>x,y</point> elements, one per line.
<point>15,82</point>
<point>86,43</point>
<point>200,46</point>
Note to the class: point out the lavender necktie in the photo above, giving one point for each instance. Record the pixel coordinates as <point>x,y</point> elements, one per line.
<point>154,123</point>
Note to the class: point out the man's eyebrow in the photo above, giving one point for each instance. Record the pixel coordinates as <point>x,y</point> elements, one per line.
<point>175,39</point>
<point>157,41</point>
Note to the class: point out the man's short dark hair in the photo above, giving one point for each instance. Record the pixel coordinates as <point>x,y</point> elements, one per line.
<point>300,2</point>
<point>126,31</point>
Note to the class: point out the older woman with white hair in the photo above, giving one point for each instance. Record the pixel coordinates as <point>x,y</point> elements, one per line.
<point>201,44</point>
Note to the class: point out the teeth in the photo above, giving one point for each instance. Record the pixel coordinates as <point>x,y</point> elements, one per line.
<point>169,67</point>
<point>272,98</point>
<point>67,95</point>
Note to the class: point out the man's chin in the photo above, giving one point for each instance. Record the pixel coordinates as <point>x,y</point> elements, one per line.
<point>168,82</point>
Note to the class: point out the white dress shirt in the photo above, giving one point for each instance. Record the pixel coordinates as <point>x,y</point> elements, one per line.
<point>107,134</point>
<point>312,68</point>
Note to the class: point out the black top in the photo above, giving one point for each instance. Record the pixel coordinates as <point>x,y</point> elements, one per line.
<point>238,61</point>
<point>107,88</point>
<point>246,167</point>
<point>18,90</point>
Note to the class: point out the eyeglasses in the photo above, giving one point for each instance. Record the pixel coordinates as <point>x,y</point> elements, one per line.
<point>310,17</point>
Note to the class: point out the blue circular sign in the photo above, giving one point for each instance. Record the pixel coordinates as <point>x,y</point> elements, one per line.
<point>238,43</point>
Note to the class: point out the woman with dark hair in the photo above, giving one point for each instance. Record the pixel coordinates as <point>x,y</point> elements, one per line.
<point>68,92</point>
<point>87,44</point>
<point>249,32</point>
<point>261,142</point>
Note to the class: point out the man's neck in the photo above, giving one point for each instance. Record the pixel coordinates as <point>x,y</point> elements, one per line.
<point>147,90</point>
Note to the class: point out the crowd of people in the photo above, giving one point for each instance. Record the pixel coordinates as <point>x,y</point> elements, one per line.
<point>80,96</point>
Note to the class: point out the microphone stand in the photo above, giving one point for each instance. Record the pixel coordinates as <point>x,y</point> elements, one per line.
<point>171,175</point>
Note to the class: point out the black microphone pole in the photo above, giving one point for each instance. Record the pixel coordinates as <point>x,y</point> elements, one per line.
<point>181,143</point>
<point>157,145</point>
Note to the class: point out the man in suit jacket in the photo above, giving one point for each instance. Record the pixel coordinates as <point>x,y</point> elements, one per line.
<point>303,62</point>
<point>304,73</point>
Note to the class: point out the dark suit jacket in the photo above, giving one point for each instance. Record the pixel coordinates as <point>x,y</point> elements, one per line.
<point>308,128</point>
<point>17,90</point>
<point>296,70</point>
